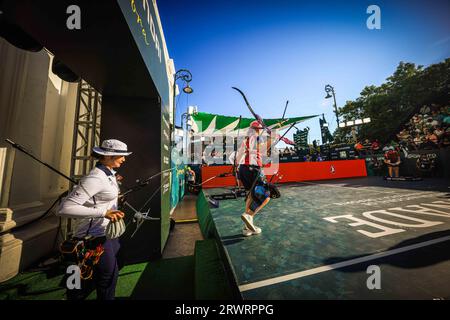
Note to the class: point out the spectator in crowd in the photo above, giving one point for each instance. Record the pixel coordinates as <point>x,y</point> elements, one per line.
<point>377,166</point>
<point>439,132</point>
<point>367,147</point>
<point>432,139</point>
<point>439,115</point>
<point>445,142</point>
<point>359,148</point>
<point>418,140</point>
<point>403,135</point>
<point>426,129</point>
<point>425,166</point>
<point>375,146</point>
<point>392,160</point>
<point>446,120</point>
<point>190,175</point>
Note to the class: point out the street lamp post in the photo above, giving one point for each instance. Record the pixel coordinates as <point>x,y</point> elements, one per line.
<point>187,115</point>
<point>329,89</point>
<point>186,76</point>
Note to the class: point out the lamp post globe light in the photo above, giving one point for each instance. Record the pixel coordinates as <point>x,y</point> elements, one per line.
<point>186,76</point>
<point>329,89</point>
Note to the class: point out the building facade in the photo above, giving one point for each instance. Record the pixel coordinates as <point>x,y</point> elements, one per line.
<point>120,52</point>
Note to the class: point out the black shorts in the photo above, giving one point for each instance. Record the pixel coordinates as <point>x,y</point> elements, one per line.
<point>247,174</point>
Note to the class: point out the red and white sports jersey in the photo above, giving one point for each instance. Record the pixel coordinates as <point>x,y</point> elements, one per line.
<point>249,152</point>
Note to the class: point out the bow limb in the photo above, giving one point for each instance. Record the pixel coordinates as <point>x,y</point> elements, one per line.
<point>282,138</point>
<point>284,113</point>
<point>246,102</point>
<point>256,116</point>
<point>286,140</point>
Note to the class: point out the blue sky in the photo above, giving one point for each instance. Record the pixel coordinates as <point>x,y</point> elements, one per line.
<point>289,50</point>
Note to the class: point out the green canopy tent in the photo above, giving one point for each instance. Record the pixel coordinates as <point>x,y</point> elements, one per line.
<point>208,124</point>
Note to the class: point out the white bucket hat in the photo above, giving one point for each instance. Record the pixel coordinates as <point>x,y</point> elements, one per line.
<point>112,147</point>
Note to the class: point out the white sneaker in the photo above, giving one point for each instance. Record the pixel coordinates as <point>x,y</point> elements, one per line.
<point>247,232</point>
<point>248,220</point>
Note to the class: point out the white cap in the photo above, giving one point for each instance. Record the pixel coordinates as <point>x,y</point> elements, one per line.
<point>112,147</point>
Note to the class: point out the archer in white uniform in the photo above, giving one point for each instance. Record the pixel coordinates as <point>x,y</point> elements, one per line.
<point>93,202</point>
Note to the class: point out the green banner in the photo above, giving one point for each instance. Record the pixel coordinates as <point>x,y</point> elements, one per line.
<point>209,124</point>
<point>145,26</point>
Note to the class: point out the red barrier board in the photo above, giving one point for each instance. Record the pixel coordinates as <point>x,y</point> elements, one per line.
<point>293,172</point>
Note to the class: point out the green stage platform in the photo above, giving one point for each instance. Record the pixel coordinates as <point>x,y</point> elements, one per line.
<point>312,247</point>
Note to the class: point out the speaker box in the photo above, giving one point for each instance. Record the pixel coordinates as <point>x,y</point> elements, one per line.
<point>63,71</point>
<point>17,37</point>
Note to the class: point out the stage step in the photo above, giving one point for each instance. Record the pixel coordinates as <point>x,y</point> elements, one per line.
<point>204,217</point>
<point>211,282</point>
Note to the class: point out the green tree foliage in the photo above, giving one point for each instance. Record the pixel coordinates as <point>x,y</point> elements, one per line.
<point>391,104</point>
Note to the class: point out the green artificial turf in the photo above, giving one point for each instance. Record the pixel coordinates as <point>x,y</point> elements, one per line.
<point>170,279</point>
<point>211,282</point>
